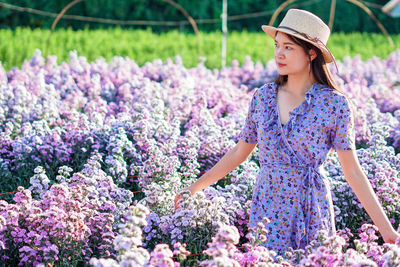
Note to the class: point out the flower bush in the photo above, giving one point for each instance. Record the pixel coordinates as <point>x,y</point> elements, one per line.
<point>98,151</point>
<point>70,222</point>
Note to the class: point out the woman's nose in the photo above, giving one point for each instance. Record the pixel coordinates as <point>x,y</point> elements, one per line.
<point>278,53</point>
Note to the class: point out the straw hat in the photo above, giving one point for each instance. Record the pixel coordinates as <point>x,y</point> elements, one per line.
<point>306,26</point>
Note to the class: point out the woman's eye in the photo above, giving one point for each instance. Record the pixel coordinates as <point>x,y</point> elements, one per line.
<point>286,47</point>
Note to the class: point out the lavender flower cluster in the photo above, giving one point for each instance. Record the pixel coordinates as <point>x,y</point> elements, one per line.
<point>82,136</point>
<point>326,250</point>
<point>69,222</point>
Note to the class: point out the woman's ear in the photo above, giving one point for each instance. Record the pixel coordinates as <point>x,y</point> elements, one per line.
<point>312,54</point>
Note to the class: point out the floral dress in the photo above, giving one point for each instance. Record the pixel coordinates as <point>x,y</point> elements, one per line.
<point>291,188</point>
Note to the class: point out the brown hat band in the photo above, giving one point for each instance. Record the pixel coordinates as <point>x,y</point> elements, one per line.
<point>315,40</point>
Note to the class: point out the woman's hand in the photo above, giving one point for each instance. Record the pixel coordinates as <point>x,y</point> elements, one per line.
<point>390,237</point>
<point>180,193</point>
<point>176,201</point>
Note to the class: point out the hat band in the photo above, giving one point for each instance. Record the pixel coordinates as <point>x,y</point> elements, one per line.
<point>315,40</point>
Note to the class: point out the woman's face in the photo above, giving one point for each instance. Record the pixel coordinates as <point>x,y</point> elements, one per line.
<point>290,57</point>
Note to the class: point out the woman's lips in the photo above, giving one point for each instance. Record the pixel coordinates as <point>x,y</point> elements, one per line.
<point>280,65</point>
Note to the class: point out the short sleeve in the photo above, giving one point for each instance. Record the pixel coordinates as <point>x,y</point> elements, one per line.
<point>343,134</point>
<point>249,131</point>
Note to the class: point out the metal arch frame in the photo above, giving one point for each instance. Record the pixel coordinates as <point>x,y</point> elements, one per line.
<point>177,6</point>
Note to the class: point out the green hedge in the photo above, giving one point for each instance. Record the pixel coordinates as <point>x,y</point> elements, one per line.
<point>144,45</point>
<point>348,18</point>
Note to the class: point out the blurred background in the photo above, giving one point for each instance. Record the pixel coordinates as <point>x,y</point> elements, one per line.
<point>148,29</point>
<point>348,16</point>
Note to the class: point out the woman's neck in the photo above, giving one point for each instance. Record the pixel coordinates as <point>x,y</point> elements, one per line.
<point>298,85</point>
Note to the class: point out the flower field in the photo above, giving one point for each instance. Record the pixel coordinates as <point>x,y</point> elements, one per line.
<point>93,154</point>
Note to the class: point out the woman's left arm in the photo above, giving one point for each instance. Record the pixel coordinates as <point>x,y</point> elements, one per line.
<point>362,188</point>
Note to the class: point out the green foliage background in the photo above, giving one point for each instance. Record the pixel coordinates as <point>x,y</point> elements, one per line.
<point>144,45</point>
<point>348,17</point>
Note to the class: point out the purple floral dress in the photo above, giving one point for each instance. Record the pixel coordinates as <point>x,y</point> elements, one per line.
<point>291,188</point>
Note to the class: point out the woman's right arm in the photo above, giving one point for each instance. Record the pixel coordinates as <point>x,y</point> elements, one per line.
<point>225,165</point>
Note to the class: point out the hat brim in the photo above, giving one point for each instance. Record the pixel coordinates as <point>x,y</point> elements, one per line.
<point>271,31</point>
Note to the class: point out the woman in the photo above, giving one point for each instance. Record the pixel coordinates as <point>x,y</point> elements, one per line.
<point>296,121</point>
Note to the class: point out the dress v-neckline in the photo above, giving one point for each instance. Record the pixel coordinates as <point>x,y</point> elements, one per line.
<point>291,111</point>
<point>279,117</point>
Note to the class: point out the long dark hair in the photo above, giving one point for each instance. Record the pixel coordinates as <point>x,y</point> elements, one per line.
<point>318,67</point>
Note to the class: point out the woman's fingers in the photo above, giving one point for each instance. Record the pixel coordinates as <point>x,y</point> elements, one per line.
<point>176,201</point>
